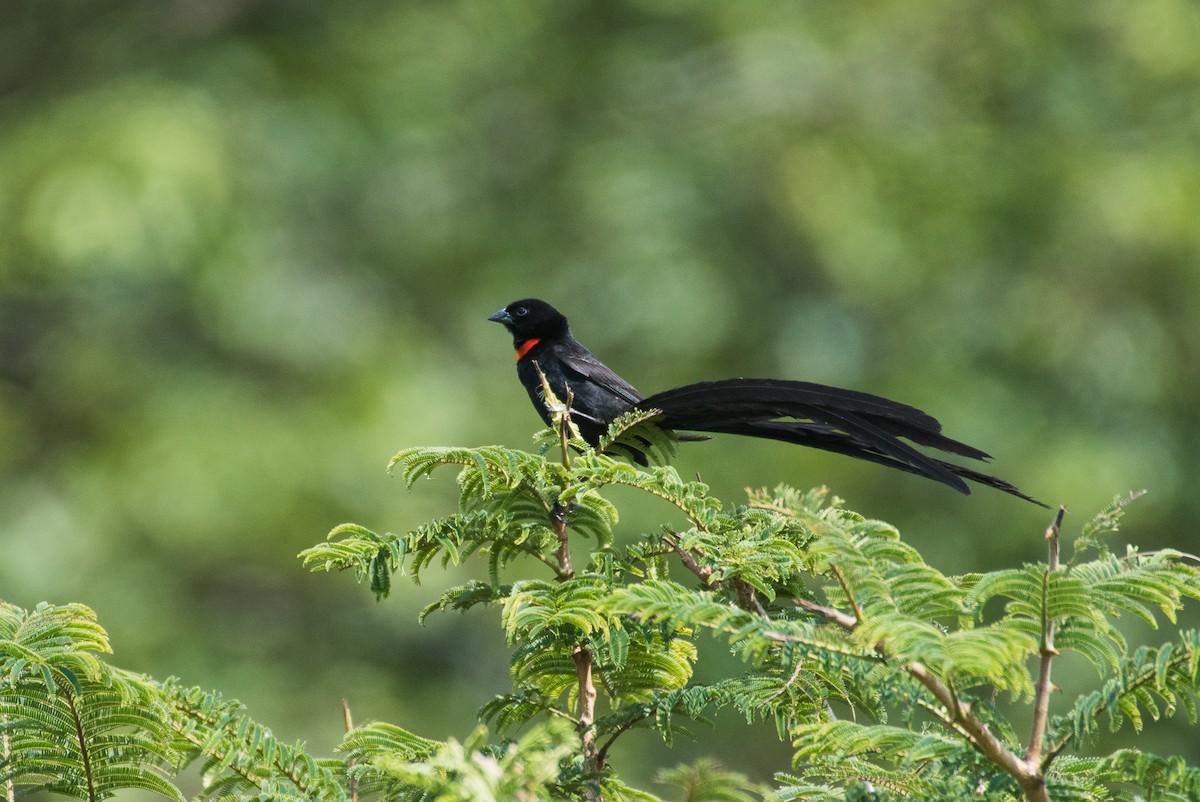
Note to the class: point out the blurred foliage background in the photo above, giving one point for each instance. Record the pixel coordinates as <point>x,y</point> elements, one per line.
<point>247,249</point>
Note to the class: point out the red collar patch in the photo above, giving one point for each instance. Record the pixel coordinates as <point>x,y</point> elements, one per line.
<point>525,347</point>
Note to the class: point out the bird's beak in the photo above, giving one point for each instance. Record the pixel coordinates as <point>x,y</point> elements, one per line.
<point>501,316</point>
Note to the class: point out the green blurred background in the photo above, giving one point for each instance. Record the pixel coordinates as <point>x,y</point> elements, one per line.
<point>247,249</point>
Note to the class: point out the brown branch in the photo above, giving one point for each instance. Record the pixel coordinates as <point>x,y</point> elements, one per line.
<point>1028,776</point>
<point>846,622</point>
<point>602,753</point>
<point>582,656</point>
<point>1026,771</point>
<point>704,572</point>
<point>783,688</point>
<point>561,416</point>
<point>746,597</point>
<point>956,713</point>
<point>1044,687</point>
<point>587,715</point>
<point>558,516</point>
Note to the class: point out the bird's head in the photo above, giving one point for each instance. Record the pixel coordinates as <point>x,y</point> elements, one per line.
<point>531,319</point>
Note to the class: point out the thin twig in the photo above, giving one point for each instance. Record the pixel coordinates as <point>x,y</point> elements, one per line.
<point>1044,687</point>
<point>704,572</point>
<point>602,752</point>
<point>791,680</point>
<point>558,513</point>
<point>564,429</point>
<point>560,414</point>
<point>846,622</point>
<point>1181,555</point>
<point>350,726</point>
<point>747,599</point>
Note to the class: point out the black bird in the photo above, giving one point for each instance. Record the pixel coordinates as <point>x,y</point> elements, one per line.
<point>844,421</point>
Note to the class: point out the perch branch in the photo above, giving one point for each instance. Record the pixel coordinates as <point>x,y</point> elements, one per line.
<point>1044,687</point>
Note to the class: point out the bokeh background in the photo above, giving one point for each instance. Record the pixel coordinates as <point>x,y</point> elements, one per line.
<point>247,249</point>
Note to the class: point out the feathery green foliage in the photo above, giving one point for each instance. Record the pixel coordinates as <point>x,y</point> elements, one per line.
<point>70,723</point>
<point>706,781</point>
<point>240,758</point>
<point>879,670</point>
<point>827,610</point>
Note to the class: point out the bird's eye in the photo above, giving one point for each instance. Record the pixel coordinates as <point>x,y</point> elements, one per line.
<point>521,311</point>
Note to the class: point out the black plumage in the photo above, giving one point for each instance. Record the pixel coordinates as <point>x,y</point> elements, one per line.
<point>857,424</point>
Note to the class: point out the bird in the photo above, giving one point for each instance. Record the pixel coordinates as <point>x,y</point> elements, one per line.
<point>857,424</point>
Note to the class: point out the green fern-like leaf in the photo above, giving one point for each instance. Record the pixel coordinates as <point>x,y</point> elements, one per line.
<point>706,781</point>
<point>526,769</point>
<point>653,662</point>
<point>71,724</point>
<point>1106,522</point>
<point>1144,585</point>
<point>367,741</point>
<point>897,744</point>
<point>509,710</point>
<point>464,597</point>
<point>1128,775</point>
<point>534,607</point>
<point>822,605</point>
<point>240,757</point>
<point>1169,675</point>
<point>635,434</point>
<point>592,472</point>
<point>369,555</point>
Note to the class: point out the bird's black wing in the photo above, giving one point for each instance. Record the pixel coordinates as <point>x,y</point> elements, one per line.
<point>585,363</point>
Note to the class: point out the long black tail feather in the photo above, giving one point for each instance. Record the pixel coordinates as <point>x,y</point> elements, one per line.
<point>843,421</point>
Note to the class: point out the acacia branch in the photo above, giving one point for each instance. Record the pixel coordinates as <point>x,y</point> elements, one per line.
<point>558,516</point>
<point>1130,688</point>
<point>1025,770</point>
<point>746,597</point>
<point>783,688</point>
<point>602,753</point>
<point>582,655</point>
<point>1028,776</point>
<point>703,572</point>
<point>1044,687</point>
<point>587,715</point>
<point>956,713</point>
<point>561,415</point>
<point>830,614</point>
